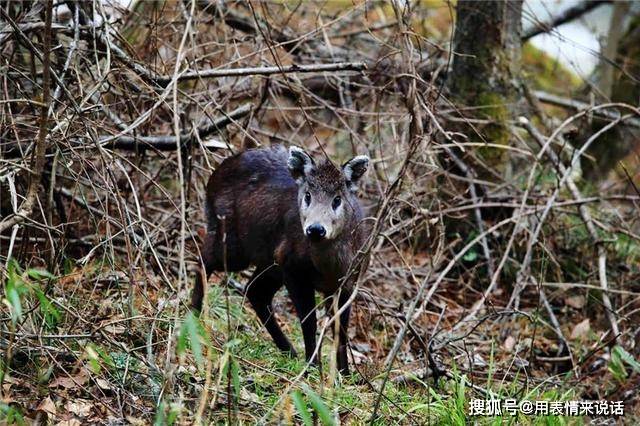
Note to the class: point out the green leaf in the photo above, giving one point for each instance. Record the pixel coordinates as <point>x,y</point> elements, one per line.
<point>13,269</point>
<point>38,274</point>
<point>192,331</point>
<point>627,358</point>
<point>461,391</point>
<point>10,415</point>
<point>94,357</point>
<point>616,367</point>
<point>301,406</point>
<point>232,343</point>
<point>235,376</point>
<point>224,363</point>
<point>174,411</point>
<point>14,300</point>
<point>50,313</point>
<point>105,357</point>
<point>321,408</point>
<point>183,340</point>
<point>159,419</point>
<point>162,418</point>
<point>470,256</point>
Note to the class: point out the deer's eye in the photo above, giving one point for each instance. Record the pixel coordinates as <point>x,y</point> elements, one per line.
<point>336,202</point>
<point>307,198</point>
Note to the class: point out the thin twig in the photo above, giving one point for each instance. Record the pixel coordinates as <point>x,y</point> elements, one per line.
<point>37,159</point>
<point>586,217</point>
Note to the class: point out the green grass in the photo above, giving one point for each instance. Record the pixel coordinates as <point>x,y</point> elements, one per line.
<point>265,374</point>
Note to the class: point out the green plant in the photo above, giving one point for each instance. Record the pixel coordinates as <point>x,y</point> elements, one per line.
<point>317,404</point>
<point>167,414</point>
<point>10,415</point>
<point>20,285</point>
<point>620,357</point>
<point>192,334</point>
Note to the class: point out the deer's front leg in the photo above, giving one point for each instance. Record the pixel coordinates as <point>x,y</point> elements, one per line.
<point>303,297</point>
<point>343,333</point>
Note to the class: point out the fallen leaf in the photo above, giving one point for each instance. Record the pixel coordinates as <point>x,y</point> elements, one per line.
<point>576,302</point>
<point>358,357</point>
<point>135,421</point>
<point>581,329</point>
<point>103,384</point>
<point>70,382</point>
<point>72,278</point>
<point>63,382</point>
<point>13,380</point>
<point>478,361</point>
<point>47,406</point>
<point>363,347</point>
<point>80,408</point>
<point>245,395</point>
<point>71,422</point>
<point>115,329</point>
<point>6,388</point>
<point>509,343</point>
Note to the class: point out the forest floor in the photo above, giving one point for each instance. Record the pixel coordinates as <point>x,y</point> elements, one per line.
<point>130,358</point>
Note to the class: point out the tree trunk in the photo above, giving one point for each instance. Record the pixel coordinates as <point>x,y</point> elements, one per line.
<point>616,29</point>
<point>487,56</point>
<point>620,141</point>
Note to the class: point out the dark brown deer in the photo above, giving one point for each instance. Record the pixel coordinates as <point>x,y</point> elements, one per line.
<point>299,223</point>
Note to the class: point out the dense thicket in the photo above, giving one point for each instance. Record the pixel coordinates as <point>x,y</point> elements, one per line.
<point>495,267</point>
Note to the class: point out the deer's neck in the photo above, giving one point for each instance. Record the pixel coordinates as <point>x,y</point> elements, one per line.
<point>332,259</point>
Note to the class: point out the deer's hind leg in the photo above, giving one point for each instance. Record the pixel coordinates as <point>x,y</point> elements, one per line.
<point>264,284</point>
<point>219,253</point>
<point>208,266</point>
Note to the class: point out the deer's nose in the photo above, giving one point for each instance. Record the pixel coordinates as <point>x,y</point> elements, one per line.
<point>316,231</point>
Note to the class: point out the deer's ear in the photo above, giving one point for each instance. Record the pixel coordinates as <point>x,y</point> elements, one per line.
<point>354,169</point>
<point>300,164</point>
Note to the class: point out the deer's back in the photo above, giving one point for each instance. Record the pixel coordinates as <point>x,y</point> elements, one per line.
<point>252,205</point>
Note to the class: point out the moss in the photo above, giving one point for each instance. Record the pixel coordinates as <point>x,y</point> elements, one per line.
<point>489,102</point>
<point>494,107</point>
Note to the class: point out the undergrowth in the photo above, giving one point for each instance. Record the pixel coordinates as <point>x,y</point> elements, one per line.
<point>223,367</point>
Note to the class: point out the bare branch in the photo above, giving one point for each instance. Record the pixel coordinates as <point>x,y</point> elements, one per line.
<point>37,161</point>
<point>168,143</point>
<point>572,104</point>
<point>566,16</point>
<point>237,72</point>
<point>588,221</point>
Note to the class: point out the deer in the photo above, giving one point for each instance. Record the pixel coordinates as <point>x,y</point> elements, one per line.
<point>298,222</point>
